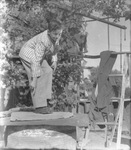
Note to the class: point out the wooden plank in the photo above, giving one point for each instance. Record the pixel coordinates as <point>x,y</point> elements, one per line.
<point>78,120</point>
<point>121,105</point>
<point>117,99</point>
<point>80,56</point>
<point>106,123</point>
<point>115,75</point>
<point>97,56</point>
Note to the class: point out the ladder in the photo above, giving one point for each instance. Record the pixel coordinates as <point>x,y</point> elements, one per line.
<point>117,123</point>
<point>119,115</point>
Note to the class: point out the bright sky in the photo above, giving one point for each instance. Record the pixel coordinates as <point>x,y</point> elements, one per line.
<point>97,40</point>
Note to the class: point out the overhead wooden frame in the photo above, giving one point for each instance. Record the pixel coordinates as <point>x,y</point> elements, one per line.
<point>88,16</point>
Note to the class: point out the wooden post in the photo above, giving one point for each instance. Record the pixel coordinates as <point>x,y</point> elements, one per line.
<point>120,122</point>
<point>2,94</point>
<point>130,55</point>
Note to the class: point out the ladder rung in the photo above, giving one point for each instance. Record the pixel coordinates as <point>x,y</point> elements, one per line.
<point>116,99</point>
<point>127,99</point>
<point>115,75</point>
<point>106,123</point>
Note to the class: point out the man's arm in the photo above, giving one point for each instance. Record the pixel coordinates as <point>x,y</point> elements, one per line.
<point>35,64</point>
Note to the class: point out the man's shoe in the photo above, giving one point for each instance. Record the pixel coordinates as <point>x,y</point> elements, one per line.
<point>43,110</point>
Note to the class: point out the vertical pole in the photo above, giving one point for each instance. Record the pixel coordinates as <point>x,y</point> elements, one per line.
<point>121,107</point>
<point>121,50</point>
<point>108,28</point>
<point>108,31</point>
<point>130,55</point>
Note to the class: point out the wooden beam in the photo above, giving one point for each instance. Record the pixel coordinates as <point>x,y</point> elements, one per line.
<point>98,56</point>
<point>88,16</point>
<point>80,56</point>
<point>81,120</point>
<point>104,21</point>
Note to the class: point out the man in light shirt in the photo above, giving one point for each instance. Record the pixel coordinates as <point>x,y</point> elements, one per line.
<point>39,73</point>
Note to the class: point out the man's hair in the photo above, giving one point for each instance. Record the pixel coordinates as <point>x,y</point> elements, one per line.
<point>54,25</point>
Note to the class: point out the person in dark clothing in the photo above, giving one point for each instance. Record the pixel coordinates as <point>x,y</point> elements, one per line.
<point>101,102</point>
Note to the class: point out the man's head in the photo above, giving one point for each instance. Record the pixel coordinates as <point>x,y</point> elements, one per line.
<point>55,29</point>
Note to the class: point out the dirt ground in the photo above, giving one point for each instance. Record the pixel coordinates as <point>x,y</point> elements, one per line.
<point>60,137</point>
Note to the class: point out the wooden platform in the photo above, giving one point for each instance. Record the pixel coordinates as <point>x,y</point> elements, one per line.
<point>76,120</point>
<point>96,139</point>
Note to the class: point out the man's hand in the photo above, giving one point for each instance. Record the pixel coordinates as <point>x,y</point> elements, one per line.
<point>54,65</point>
<point>33,85</point>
